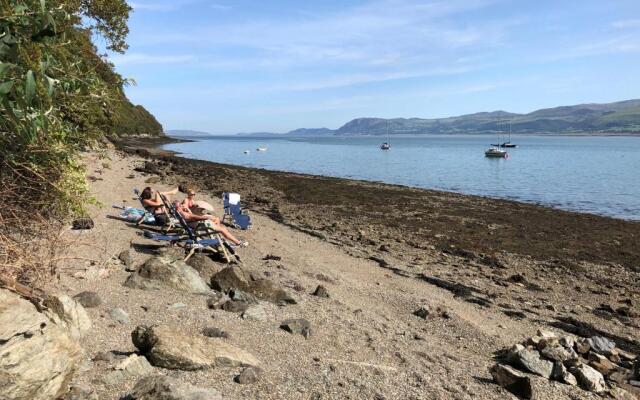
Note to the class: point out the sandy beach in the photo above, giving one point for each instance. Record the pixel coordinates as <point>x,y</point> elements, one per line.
<point>492,273</point>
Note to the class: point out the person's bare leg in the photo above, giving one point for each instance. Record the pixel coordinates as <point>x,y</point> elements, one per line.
<point>225,232</point>
<point>170,193</point>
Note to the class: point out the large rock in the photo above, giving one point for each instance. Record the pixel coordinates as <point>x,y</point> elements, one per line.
<point>589,379</point>
<point>513,380</point>
<point>68,312</point>
<point>38,355</point>
<point>132,366</point>
<point>205,266</point>
<point>169,348</point>
<point>164,272</point>
<point>234,277</point>
<point>165,388</point>
<point>530,361</point>
<point>601,345</point>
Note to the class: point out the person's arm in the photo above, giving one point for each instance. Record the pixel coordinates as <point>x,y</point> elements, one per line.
<point>188,216</point>
<point>152,203</point>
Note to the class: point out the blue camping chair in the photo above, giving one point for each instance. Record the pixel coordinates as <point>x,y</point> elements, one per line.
<point>239,219</point>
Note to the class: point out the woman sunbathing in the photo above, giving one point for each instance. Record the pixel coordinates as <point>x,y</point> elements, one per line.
<point>152,202</point>
<point>211,221</point>
<point>197,207</point>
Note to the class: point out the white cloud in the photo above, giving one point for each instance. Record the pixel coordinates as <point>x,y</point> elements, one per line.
<point>140,58</point>
<point>626,23</point>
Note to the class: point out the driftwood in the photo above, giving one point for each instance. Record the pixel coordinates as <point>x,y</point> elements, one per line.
<point>35,297</point>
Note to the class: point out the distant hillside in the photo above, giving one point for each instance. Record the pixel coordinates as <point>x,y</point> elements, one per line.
<point>185,132</point>
<point>619,117</point>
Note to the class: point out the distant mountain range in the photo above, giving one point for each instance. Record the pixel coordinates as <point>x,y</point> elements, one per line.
<point>621,117</point>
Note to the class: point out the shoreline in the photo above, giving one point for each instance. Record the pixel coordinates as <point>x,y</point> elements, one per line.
<point>154,149</point>
<point>441,218</point>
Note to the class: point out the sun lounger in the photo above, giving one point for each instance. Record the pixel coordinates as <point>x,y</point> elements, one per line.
<point>233,210</point>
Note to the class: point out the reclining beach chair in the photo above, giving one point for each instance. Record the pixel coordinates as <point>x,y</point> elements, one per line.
<point>148,216</point>
<point>192,239</point>
<point>233,209</point>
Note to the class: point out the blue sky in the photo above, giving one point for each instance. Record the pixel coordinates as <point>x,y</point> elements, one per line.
<point>227,66</point>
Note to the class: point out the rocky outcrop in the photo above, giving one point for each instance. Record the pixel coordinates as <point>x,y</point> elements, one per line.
<point>38,353</point>
<point>165,388</point>
<point>169,348</point>
<point>585,362</point>
<point>205,266</point>
<point>132,366</point>
<point>235,277</point>
<point>165,272</point>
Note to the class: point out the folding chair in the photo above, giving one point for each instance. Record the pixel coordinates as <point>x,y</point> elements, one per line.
<point>233,209</point>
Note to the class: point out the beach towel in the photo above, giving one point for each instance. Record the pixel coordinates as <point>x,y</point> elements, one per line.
<point>134,214</point>
<point>234,198</point>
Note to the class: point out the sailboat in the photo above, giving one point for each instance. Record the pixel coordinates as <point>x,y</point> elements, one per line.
<point>495,152</point>
<point>386,145</point>
<point>508,143</point>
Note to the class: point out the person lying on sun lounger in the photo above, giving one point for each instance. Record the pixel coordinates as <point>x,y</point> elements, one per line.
<point>211,221</point>
<point>198,207</point>
<point>153,204</point>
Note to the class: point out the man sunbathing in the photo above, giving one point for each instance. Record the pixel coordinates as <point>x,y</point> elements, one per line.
<point>211,221</point>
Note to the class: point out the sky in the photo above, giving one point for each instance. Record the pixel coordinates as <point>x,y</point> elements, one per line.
<point>226,66</point>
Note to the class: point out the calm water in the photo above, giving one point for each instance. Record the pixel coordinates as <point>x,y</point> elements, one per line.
<point>599,175</point>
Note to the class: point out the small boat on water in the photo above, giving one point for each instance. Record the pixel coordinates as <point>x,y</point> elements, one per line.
<point>495,152</point>
<point>261,149</point>
<point>508,143</point>
<point>246,152</point>
<point>386,145</point>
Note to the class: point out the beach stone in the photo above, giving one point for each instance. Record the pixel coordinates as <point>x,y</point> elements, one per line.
<point>235,306</point>
<point>162,272</point>
<point>236,278</point>
<point>255,313</point>
<point>205,266</point>
<point>582,346</point>
<point>217,300</point>
<point>68,312</point>
<point>561,374</point>
<point>215,333</point>
<point>601,345</point>
<point>232,277</point>
<point>248,375</point>
<point>601,364</point>
<point>38,355</point>
<point>513,380</point>
<point>422,312</point>
<point>119,315</point>
<point>133,366</point>
<point>297,326</point>
<point>126,258</point>
<point>321,291</point>
<point>166,388</point>
<point>530,361</point>
<point>556,353</point>
<point>567,341</point>
<point>239,295</point>
<point>88,299</point>
<point>589,379</point>
<point>169,348</point>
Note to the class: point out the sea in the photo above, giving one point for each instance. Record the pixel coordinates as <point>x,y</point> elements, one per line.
<point>589,174</point>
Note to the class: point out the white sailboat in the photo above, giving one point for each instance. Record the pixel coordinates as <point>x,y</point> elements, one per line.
<point>495,152</point>
<point>386,145</point>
